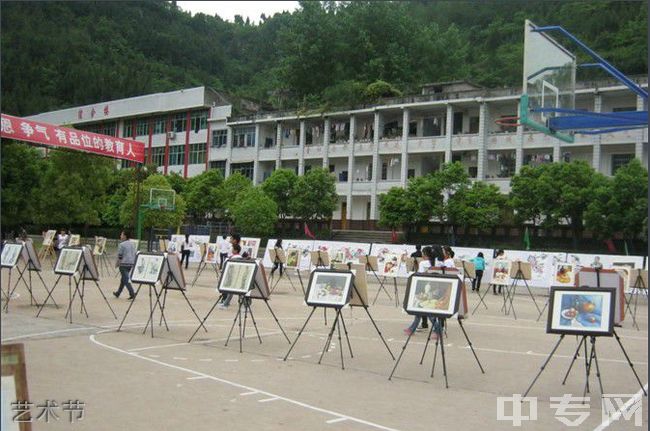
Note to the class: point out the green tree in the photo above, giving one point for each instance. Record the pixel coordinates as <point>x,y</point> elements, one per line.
<point>255,213</point>
<point>74,188</point>
<point>524,198</point>
<point>152,217</point>
<point>280,187</point>
<point>177,182</point>
<point>396,209</point>
<point>620,204</point>
<point>314,195</point>
<point>424,195</point>
<point>22,166</point>
<point>481,206</point>
<point>228,192</point>
<point>202,194</point>
<point>379,89</point>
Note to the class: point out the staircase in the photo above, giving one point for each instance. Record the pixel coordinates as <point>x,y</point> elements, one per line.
<point>364,236</point>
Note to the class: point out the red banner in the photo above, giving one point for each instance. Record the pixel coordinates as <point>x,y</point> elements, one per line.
<point>36,132</point>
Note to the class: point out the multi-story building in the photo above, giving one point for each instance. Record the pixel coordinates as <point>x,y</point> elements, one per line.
<point>369,149</point>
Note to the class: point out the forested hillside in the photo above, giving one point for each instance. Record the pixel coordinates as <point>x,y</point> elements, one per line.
<point>60,54</point>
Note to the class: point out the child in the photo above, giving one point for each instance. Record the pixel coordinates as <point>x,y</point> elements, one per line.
<point>479,267</point>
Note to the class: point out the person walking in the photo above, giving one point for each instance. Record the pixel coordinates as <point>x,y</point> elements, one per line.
<point>277,264</point>
<point>224,249</point>
<point>186,250</point>
<point>479,267</point>
<point>61,241</point>
<point>500,255</point>
<point>125,261</point>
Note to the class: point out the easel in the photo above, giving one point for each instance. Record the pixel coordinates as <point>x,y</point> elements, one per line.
<point>439,343</point>
<point>339,318</point>
<point>638,286</point>
<point>282,260</point>
<point>467,276</point>
<point>510,295</point>
<point>172,283</point>
<point>48,251</point>
<point>371,265</point>
<point>321,264</point>
<point>152,307</point>
<point>201,267</point>
<point>593,359</point>
<point>86,274</point>
<point>31,264</point>
<point>245,302</point>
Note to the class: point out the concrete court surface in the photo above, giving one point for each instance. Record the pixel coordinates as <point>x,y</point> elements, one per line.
<point>131,381</point>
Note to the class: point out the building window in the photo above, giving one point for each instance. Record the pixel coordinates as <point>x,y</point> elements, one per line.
<point>159,125</point>
<point>473,124</point>
<point>246,169</point>
<point>220,165</point>
<point>624,109</point>
<point>332,169</point>
<point>197,153</point>
<point>367,210</point>
<point>458,123</point>
<point>384,171</point>
<point>142,127</point>
<point>413,128</point>
<point>219,138</point>
<point>199,120</point>
<point>307,168</point>
<point>243,137</point>
<point>127,132</point>
<point>158,156</point>
<point>433,126</point>
<point>125,164</point>
<point>176,155</point>
<point>620,160</point>
<point>178,124</point>
<point>410,173</point>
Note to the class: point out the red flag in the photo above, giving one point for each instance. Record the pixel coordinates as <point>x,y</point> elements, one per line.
<point>393,237</point>
<point>610,246</point>
<point>308,232</point>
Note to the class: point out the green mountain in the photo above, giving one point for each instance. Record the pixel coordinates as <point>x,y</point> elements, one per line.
<point>61,54</point>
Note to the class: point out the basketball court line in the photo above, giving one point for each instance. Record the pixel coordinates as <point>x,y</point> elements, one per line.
<point>270,396</point>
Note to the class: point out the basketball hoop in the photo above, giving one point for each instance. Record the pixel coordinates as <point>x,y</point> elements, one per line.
<point>509,122</point>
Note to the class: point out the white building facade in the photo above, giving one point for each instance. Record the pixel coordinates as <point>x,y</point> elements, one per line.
<point>368,150</point>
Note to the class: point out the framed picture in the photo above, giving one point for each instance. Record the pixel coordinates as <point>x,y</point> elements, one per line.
<point>638,279</point>
<point>564,275</point>
<point>467,269</point>
<point>524,269</point>
<point>89,269</point>
<point>74,240</point>
<point>68,261</point>
<point>320,258</point>
<point>605,278</point>
<point>147,268</point>
<point>48,239</point>
<point>577,311</point>
<point>293,257</point>
<point>435,295</point>
<point>10,254</point>
<point>329,288</point>
<point>391,264</point>
<point>211,253</point>
<point>500,272</point>
<point>34,261</point>
<point>172,274</point>
<point>14,388</point>
<point>250,247</point>
<point>237,276</point>
<point>100,245</point>
<point>260,288</point>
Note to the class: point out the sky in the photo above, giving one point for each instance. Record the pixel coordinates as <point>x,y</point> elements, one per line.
<point>247,9</point>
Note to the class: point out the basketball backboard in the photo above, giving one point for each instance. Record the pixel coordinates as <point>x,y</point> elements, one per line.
<point>549,79</point>
<point>162,199</point>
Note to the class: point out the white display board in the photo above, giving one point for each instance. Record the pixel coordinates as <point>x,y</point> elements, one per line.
<point>607,260</point>
<point>542,264</point>
<point>195,249</point>
<point>391,258</point>
<point>343,252</point>
<point>469,253</point>
<point>304,246</point>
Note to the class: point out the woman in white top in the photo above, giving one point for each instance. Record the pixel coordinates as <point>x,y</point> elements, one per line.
<point>501,255</point>
<point>62,240</point>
